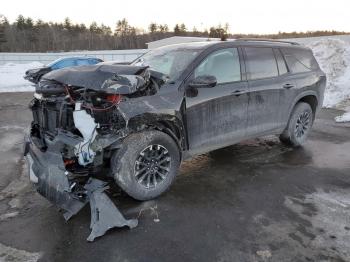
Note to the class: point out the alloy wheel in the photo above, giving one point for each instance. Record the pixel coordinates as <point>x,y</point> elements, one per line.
<point>152,166</point>
<point>302,125</point>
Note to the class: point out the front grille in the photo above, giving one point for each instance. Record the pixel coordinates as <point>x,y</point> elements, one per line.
<point>49,116</point>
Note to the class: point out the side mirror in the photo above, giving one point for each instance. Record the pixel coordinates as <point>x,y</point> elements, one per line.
<point>204,81</point>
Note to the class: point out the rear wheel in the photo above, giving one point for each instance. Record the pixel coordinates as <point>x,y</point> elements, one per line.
<point>146,164</point>
<point>299,125</point>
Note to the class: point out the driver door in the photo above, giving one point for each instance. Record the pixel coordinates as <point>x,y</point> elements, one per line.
<point>217,116</point>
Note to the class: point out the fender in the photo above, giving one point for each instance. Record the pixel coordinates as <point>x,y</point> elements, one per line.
<point>300,96</point>
<point>170,124</point>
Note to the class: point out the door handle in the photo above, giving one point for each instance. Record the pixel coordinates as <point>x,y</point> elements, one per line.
<point>238,92</point>
<point>287,86</point>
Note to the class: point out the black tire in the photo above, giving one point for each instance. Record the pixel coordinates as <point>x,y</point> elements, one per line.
<point>128,162</point>
<point>299,125</point>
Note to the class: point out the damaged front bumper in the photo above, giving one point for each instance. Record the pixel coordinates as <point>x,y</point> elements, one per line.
<point>48,174</point>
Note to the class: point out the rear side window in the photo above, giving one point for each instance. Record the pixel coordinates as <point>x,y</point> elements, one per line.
<point>82,62</point>
<point>94,61</point>
<point>223,64</point>
<point>260,63</point>
<point>282,68</point>
<point>300,60</point>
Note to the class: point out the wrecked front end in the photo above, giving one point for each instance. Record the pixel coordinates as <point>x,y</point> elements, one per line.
<point>76,125</point>
<point>34,75</point>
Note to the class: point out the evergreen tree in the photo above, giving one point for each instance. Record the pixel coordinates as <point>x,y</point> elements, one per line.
<point>20,22</point>
<point>183,29</point>
<point>25,35</point>
<point>177,30</point>
<point>3,23</point>
<point>153,27</point>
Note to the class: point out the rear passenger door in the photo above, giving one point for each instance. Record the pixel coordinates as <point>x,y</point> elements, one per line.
<point>304,71</point>
<point>265,86</point>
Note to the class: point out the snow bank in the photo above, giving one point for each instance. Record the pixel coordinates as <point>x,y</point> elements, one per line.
<point>333,55</point>
<point>11,77</point>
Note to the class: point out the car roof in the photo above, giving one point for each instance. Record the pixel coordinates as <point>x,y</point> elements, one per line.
<point>242,42</point>
<point>190,45</point>
<point>77,57</point>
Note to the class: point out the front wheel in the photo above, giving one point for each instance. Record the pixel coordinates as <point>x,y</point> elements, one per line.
<point>146,164</point>
<point>299,125</point>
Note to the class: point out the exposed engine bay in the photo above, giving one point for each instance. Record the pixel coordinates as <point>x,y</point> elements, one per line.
<point>76,125</point>
<point>82,103</point>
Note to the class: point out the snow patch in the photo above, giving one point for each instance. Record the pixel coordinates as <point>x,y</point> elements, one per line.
<point>8,215</point>
<point>11,77</point>
<point>8,254</point>
<point>343,118</point>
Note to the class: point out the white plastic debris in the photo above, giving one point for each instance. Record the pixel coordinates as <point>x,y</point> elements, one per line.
<point>86,125</point>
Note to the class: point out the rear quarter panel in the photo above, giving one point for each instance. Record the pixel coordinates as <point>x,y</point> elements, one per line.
<point>308,83</point>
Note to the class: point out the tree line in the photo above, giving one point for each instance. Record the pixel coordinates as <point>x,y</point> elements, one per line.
<point>27,35</point>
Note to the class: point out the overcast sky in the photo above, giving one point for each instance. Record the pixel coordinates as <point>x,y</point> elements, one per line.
<point>245,16</point>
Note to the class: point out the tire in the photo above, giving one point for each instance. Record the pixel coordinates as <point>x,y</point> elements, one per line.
<point>136,173</point>
<point>299,125</point>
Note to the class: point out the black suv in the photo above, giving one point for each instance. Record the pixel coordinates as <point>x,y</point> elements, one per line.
<point>134,124</point>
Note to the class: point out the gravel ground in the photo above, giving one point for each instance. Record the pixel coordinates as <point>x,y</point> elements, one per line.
<point>254,201</point>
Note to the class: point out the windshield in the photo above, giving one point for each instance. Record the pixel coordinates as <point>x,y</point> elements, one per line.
<point>169,60</point>
<point>55,61</point>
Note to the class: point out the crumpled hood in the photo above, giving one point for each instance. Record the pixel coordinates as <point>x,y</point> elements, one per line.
<point>33,75</point>
<point>125,77</point>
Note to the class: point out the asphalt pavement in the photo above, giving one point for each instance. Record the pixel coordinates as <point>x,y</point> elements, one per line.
<point>254,201</point>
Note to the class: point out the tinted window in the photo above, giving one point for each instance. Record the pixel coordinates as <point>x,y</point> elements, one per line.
<point>299,60</point>
<point>82,62</point>
<point>282,68</point>
<point>261,63</point>
<point>53,63</point>
<point>65,63</point>
<point>223,64</point>
<point>94,61</point>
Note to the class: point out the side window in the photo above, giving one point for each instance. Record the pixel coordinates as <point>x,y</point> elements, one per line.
<point>65,63</point>
<point>260,63</point>
<point>282,68</point>
<point>223,64</point>
<point>82,62</point>
<point>94,61</point>
<point>300,60</point>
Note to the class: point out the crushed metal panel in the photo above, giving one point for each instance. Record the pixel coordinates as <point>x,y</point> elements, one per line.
<point>53,184</point>
<point>92,76</point>
<point>104,214</point>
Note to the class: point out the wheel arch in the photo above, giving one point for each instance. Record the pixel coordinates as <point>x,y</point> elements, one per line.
<point>169,124</point>
<point>310,98</point>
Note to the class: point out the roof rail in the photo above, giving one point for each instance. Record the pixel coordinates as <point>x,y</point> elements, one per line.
<point>267,40</point>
